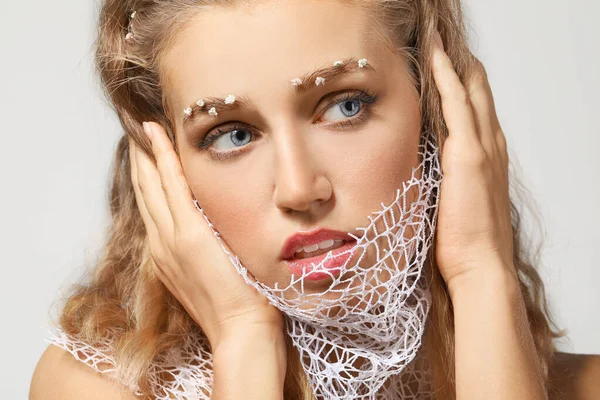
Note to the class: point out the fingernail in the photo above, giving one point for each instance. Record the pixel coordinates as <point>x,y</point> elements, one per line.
<point>147,130</point>
<point>438,41</point>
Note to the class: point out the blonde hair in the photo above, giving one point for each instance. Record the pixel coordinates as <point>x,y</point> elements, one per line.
<point>123,296</point>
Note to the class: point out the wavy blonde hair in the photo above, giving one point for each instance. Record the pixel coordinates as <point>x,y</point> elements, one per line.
<point>124,297</point>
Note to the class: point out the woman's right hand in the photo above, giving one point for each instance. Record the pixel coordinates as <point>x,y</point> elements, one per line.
<point>188,257</point>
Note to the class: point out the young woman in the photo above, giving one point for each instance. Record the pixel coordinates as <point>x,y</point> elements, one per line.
<point>295,119</point>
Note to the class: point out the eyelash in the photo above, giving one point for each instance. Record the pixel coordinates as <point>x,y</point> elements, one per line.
<point>366,98</point>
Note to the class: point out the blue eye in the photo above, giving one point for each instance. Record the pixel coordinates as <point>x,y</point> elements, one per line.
<point>230,139</point>
<point>350,110</point>
<point>347,107</point>
<point>350,107</point>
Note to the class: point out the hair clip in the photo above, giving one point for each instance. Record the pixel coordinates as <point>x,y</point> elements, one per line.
<point>296,81</point>
<point>213,112</point>
<point>129,33</point>
<point>188,111</point>
<point>200,103</point>
<point>362,62</point>
<point>338,64</point>
<point>230,99</point>
<point>320,81</point>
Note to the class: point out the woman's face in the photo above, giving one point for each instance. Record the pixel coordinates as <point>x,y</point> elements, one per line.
<point>291,159</point>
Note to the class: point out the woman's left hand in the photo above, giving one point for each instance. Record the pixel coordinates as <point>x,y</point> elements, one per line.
<point>474,230</point>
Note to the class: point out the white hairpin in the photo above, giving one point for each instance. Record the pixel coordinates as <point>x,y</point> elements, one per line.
<point>200,103</point>
<point>129,33</point>
<point>362,62</point>
<point>296,81</point>
<point>188,111</point>
<point>338,64</point>
<point>230,99</point>
<point>213,112</point>
<point>320,81</point>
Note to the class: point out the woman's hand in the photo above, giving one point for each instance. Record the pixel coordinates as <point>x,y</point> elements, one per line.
<point>474,232</point>
<point>495,356</point>
<point>188,257</point>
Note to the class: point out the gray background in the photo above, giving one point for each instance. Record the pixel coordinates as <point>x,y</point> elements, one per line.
<point>58,138</point>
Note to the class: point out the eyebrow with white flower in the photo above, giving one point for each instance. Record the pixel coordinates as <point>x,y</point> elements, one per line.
<point>212,106</point>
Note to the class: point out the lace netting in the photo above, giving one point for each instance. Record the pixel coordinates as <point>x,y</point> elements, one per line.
<point>359,339</point>
<point>184,374</point>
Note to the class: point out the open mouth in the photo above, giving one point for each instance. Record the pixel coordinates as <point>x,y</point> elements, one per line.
<point>304,262</point>
<point>318,249</point>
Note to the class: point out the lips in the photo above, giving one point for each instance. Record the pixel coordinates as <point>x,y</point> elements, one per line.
<point>310,238</point>
<point>304,266</point>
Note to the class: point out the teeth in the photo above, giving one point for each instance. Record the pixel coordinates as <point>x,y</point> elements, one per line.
<point>325,244</point>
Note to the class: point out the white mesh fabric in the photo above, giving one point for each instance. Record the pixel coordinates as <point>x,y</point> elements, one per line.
<point>359,339</point>
<point>367,326</point>
<point>183,374</point>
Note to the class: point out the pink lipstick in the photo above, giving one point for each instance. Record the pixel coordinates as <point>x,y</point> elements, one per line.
<point>303,249</point>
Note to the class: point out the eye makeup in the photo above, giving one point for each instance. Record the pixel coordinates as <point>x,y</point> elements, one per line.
<point>365,99</point>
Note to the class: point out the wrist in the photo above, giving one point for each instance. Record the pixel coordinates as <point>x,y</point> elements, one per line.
<point>235,339</point>
<point>230,328</point>
<point>251,349</point>
<point>494,277</point>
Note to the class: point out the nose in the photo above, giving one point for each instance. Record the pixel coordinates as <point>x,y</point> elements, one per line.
<point>299,184</point>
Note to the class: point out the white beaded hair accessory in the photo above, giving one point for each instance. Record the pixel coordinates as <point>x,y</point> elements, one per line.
<point>358,337</point>
<point>296,82</point>
<point>320,81</point>
<point>362,63</point>
<point>230,99</point>
<point>129,34</point>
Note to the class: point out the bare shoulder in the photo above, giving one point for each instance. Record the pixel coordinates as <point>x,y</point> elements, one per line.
<point>575,376</point>
<point>58,375</point>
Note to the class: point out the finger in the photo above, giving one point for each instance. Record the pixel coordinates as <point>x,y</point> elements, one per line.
<point>151,229</point>
<point>177,191</point>
<point>456,105</point>
<point>502,146</point>
<point>484,110</point>
<point>153,195</point>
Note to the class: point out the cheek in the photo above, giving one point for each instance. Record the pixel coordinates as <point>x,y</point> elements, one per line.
<point>380,163</point>
<point>234,204</point>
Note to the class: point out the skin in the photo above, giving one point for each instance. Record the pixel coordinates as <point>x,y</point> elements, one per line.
<point>291,179</point>
<point>297,173</point>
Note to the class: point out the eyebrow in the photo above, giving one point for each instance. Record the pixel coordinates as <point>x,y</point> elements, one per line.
<point>329,73</point>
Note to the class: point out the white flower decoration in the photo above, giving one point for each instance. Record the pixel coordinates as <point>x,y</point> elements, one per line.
<point>128,36</point>
<point>338,64</point>
<point>200,103</point>
<point>133,14</point>
<point>213,112</point>
<point>230,99</point>
<point>362,62</point>
<point>296,81</point>
<point>188,111</point>
<point>320,81</point>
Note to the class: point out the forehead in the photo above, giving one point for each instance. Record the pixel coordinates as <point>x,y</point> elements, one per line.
<point>254,50</point>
